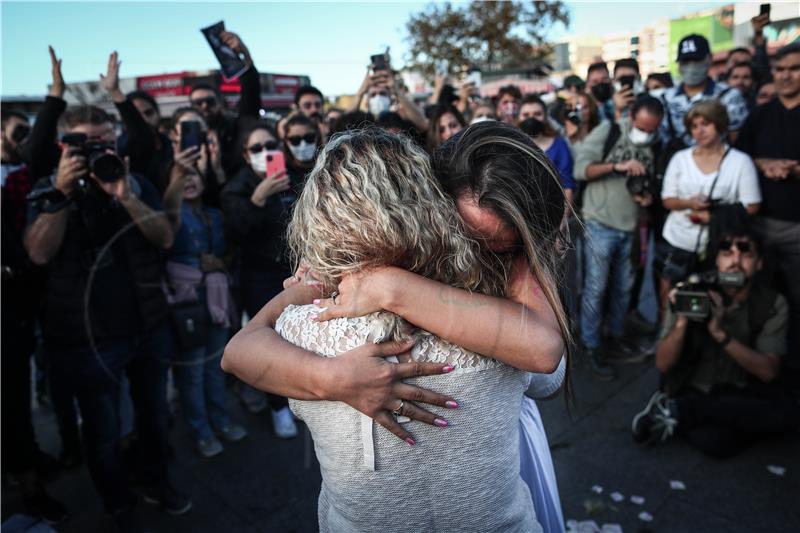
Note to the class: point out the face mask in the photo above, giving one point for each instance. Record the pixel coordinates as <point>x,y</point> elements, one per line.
<point>303,152</point>
<point>694,73</point>
<point>379,103</point>
<point>258,162</point>
<point>639,137</point>
<point>657,93</point>
<point>602,92</point>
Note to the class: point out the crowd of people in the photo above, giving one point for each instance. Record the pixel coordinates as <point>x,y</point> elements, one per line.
<point>132,258</point>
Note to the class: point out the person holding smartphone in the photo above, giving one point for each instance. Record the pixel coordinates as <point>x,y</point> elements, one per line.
<point>256,205</point>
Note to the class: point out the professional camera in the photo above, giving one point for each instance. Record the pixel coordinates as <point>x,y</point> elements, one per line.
<point>639,185</point>
<point>692,299</point>
<point>108,167</point>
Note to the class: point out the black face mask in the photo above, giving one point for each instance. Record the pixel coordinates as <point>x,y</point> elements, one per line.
<point>532,127</point>
<point>602,92</point>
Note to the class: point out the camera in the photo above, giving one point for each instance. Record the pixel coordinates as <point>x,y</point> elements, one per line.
<point>692,299</point>
<point>638,185</point>
<point>106,166</point>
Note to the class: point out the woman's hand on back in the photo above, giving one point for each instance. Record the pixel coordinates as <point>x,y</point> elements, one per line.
<point>358,295</point>
<point>365,381</point>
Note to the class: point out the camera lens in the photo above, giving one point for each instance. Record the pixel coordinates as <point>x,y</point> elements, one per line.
<point>107,167</point>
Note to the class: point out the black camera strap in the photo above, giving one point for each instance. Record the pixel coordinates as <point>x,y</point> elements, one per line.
<point>710,193</point>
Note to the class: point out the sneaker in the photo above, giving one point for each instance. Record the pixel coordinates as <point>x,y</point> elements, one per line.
<point>598,366</point>
<point>41,504</point>
<point>654,423</point>
<point>168,498</point>
<point>209,447</point>
<point>232,432</point>
<point>283,423</point>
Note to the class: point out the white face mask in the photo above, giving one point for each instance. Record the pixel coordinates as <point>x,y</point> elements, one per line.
<point>656,93</point>
<point>303,152</point>
<point>379,103</point>
<point>258,162</point>
<point>639,137</point>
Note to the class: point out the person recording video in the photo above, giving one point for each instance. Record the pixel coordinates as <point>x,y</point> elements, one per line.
<point>721,348</point>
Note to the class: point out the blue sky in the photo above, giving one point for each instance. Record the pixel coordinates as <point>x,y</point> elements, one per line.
<point>331,42</point>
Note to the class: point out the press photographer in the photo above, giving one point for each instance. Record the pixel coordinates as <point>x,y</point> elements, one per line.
<point>616,160</point>
<point>721,348</point>
<point>100,231</point>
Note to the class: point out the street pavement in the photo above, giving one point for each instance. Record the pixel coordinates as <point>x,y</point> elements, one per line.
<point>265,484</point>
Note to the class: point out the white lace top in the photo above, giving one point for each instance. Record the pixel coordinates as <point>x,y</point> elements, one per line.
<point>461,478</point>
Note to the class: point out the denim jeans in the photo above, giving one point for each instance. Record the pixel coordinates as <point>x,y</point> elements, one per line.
<point>608,265</point>
<point>201,384</point>
<point>96,374</point>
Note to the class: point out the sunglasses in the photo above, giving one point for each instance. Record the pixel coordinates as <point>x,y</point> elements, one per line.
<point>209,101</point>
<point>310,138</point>
<point>269,146</point>
<point>744,246</point>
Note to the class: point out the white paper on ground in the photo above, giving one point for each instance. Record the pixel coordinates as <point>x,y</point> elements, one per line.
<point>644,516</point>
<point>638,500</point>
<point>617,497</point>
<point>777,470</point>
<point>677,485</point>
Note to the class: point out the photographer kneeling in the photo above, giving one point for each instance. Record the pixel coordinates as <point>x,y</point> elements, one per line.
<point>721,347</point>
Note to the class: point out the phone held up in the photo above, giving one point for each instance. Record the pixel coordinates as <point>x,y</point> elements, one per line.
<point>764,9</point>
<point>192,134</point>
<point>275,162</point>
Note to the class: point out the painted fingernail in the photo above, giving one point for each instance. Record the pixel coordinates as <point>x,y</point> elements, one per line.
<point>410,441</point>
<point>315,302</point>
<point>450,404</point>
<point>448,368</point>
<point>441,423</point>
<point>313,317</point>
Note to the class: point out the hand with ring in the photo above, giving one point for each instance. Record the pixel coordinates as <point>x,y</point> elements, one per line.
<point>363,379</point>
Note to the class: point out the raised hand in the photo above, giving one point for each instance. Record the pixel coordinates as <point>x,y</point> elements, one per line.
<point>110,82</point>
<point>58,86</point>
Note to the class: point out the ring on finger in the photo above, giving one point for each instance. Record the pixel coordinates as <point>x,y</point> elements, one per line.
<point>399,410</point>
<point>334,294</point>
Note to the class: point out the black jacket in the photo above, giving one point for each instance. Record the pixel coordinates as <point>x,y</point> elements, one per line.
<point>260,232</point>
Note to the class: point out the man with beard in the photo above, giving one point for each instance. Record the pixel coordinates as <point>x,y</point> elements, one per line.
<point>310,101</point>
<point>718,370</point>
<point>209,102</point>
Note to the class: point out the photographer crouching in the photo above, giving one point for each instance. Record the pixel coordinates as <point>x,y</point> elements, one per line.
<point>101,232</point>
<point>720,350</point>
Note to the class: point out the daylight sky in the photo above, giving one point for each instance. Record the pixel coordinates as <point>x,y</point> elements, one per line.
<point>329,41</point>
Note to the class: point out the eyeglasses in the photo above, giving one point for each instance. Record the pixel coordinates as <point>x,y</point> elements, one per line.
<point>310,138</point>
<point>744,246</point>
<point>209,101</point>
<point>257,147</point>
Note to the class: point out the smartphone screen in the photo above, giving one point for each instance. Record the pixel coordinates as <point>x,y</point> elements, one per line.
<point>192,134</point>
<point>275,162</point>
<point>626,81</point>
<point>378,62</point>
<point>764,9</point>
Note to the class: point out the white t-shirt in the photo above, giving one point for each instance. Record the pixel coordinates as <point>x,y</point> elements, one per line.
<point>738,182</point>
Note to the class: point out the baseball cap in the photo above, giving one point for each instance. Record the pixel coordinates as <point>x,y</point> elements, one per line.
<point>693,48</point>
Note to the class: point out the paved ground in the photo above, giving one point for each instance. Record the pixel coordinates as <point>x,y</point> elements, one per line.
<point>265,485</point>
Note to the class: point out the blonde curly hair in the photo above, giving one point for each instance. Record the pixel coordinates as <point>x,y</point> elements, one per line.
<point>371,200</point>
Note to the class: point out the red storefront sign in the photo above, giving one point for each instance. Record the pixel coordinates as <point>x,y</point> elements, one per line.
<point>163,84</point>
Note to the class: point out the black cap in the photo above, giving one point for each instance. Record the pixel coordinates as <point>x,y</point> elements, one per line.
<point>693,48</point>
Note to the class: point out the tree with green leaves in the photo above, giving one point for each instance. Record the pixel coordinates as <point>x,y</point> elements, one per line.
<point>491,35</point>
